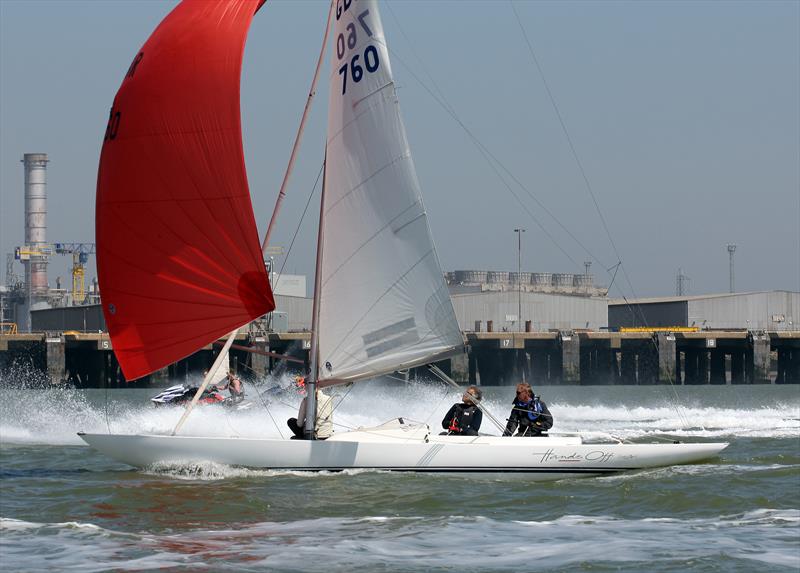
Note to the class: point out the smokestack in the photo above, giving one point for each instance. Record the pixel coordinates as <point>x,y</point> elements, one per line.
<point>36,221</point>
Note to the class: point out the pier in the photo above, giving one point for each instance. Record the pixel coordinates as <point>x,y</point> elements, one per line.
<point>492,358</point>
<point>635,358</point>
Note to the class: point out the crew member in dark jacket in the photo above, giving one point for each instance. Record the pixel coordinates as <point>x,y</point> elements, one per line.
<point>529,414</point>
<point>464,418</point>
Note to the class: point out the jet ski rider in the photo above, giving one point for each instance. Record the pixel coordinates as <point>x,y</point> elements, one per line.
<point>234,386</point>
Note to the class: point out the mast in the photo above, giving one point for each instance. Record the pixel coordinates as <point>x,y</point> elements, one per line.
<point>311,386</point>
<point>299,137</point>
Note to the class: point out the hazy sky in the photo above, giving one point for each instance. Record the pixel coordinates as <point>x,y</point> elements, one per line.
<point>685,117</point>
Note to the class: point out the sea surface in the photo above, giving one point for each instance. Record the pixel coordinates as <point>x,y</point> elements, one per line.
<point>64,507</point>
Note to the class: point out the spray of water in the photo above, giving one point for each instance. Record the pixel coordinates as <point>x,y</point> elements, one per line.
<point>55,415</point>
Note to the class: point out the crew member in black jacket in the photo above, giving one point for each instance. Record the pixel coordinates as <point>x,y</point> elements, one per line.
<point>529,414</point>
<point>464,418</point>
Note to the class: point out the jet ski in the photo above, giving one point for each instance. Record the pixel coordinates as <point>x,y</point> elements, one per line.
<point>182,394</point>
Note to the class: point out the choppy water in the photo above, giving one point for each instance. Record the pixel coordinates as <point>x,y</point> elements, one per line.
<point>64,507</point>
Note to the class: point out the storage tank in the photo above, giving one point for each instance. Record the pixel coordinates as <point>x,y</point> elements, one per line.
<point>517,278</point>
<point>497,277</point>
<point>583,281</point>
<point>479,277</point>
<point>562,279</point>
<point>470,277</point>
<point>541,279</point>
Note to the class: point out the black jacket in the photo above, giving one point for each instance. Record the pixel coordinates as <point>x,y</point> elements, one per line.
<point>463,420</point>
<point>532,418</point>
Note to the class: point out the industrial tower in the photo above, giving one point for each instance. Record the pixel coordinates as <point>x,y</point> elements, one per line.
<point>731,250</point>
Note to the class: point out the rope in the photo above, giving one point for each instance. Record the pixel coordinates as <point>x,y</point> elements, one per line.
<point>589,188</point>
<point>492,160</point>
<point>282,403</point>
<point>302,216</point>
<point>264,404</point>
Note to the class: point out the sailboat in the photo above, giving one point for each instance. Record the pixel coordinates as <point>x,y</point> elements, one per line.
<point>380,300</point>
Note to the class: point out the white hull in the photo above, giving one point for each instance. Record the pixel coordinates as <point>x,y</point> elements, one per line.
<point>408,448</point>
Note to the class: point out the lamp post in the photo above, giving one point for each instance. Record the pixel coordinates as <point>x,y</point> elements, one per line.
<point>519,277</point>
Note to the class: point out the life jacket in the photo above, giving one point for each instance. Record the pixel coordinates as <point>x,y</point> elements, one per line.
<point>532,408</point>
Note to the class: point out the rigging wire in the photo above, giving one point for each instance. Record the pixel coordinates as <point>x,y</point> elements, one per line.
<point>263,402</point>
<point>445,378</point>
<point>302,216</point>
<point>108,425</point>
<point>566,133</point>
<point>489,157</point>
<point>492,160</point>
<point>299,137</point>
<point>574,152</point>
<point>589,188</point>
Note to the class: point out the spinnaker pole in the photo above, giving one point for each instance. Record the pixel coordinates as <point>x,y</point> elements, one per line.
<point>209,377</point>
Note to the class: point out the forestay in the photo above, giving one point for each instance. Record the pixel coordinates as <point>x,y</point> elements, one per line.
<point>384,304</point>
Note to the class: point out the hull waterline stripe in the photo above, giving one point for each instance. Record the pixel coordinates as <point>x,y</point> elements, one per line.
<point>464,470</point>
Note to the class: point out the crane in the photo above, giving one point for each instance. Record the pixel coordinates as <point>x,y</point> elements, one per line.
<point>80,256</point>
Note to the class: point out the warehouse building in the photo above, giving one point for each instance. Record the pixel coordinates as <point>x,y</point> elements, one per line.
<point>768,310</point>
<point>509,311</point>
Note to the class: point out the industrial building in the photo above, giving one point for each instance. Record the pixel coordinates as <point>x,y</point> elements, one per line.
<point>491,311</point>
<point>508,311</point>
<point>763,311</point>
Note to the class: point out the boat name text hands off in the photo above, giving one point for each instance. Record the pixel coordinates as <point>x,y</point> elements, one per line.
<point>593,456</point>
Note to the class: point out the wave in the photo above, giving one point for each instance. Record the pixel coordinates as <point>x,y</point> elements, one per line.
<point>212,471</point>
<point>757,538</point>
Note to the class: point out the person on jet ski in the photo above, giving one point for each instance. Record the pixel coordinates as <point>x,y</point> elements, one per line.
<point>464,418</point>
<point>529,414</point>
<point>234,386</point>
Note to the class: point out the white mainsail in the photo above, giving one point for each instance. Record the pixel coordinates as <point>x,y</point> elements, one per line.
<point>384,303</point>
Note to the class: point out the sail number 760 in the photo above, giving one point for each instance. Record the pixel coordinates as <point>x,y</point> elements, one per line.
<point>371,63</point>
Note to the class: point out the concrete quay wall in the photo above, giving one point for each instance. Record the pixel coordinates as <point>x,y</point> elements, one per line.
<point>492,358</point>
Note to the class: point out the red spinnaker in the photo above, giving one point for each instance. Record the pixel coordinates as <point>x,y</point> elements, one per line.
<point>178,254</point>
